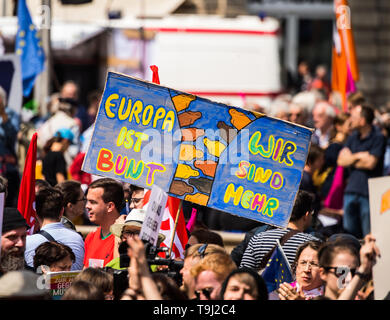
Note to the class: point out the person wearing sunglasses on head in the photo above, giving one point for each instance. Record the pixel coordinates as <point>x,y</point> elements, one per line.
<point>210,273</point>
<point>193,255</point>
<point>344,269</point>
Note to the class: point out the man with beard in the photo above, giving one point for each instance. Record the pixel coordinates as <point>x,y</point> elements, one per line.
<point>13,241</point>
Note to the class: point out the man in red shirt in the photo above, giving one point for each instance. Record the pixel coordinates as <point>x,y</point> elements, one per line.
<point>105,199</point>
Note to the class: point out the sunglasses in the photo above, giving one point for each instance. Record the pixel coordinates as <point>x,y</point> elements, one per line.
<point>339,271</point>
<point>206,292</point>
<point>135,200</point>
<point>129,233</point>
<point>202,250</point>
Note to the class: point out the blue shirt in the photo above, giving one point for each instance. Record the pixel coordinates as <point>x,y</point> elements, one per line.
<point>375,144</point>
<point>62,235</point>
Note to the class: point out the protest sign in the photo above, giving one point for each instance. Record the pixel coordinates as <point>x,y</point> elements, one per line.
<point>58,282</point>
<point>379,195</point>
<point>154,214</point>
<point>215,155</point>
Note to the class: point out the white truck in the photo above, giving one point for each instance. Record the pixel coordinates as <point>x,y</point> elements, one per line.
<point>230,60</point>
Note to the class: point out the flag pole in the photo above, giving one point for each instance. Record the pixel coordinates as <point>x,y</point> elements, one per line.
<point>42,88</point>
<point>174,228</point>
<point>284,255</point>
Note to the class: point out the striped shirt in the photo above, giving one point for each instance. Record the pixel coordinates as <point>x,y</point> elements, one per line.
<point>261,243</point>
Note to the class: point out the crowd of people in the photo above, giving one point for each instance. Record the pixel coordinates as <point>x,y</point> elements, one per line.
<point>328,261</point>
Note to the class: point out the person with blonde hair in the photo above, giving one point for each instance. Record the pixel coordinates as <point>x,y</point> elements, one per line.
<point>210,273</point>
<point>193,255</point>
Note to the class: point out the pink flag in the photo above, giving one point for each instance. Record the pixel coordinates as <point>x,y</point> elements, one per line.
<point>350,85</point>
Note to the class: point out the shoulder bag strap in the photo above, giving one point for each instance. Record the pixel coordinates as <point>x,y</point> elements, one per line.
<point>282,241</point>
<point>287,236</point>
<point>47,235</point>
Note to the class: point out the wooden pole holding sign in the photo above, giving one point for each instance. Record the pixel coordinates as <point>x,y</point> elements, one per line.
<point>174,228</point>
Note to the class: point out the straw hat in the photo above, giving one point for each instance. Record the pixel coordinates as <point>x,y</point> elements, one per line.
<point>135,218</point>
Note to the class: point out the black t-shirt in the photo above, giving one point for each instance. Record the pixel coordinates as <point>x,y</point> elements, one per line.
<point>307,183</point>
<point>375,144</point>
<point>53,163</point>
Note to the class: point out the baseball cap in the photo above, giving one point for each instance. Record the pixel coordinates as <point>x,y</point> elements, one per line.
<point>65,133</point>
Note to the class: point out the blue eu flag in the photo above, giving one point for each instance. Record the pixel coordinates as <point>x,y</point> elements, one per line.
<point>277,270</point>
<point>28,46</point>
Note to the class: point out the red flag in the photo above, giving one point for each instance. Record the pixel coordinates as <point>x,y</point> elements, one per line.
<point>168,225</point>
<point>156,78</point>
<point>26,200</point>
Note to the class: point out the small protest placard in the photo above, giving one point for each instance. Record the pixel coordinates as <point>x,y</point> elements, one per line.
<point>154,214</point>
<point>59,282</point>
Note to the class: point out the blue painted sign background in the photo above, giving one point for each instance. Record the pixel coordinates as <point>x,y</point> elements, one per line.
<point>223,157</point>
